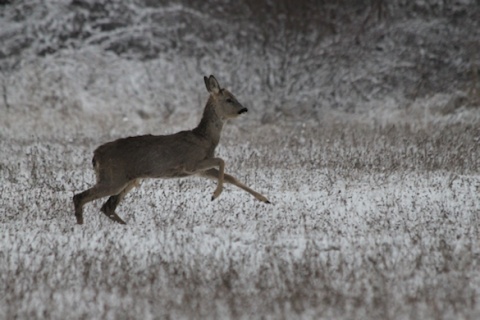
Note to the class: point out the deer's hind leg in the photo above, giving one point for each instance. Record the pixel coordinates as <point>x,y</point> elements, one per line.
<point>98,191</point>
<point>111,204</point>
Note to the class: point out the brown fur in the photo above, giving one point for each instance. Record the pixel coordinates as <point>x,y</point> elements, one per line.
<point>121,164</point>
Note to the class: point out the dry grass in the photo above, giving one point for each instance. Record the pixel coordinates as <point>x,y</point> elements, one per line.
<point>375,208</point>
<point>368,221</point>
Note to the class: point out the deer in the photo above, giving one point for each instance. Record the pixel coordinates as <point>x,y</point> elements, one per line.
<point>120,165</point>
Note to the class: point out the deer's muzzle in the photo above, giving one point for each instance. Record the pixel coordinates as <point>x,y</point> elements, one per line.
<point>244,110</point>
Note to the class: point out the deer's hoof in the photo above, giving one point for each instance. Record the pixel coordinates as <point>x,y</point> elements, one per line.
<point>79,219</point>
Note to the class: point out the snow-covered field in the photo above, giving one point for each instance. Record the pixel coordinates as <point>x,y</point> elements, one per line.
<point>367,221</point>
<point>371,164</point>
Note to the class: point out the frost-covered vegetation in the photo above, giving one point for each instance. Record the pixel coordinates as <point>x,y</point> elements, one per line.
<point>363,130</point>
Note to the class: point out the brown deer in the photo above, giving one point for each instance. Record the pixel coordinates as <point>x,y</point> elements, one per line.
<point>121,164</point>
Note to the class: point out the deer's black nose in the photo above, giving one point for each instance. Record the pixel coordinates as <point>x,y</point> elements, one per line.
<point>243,111</point>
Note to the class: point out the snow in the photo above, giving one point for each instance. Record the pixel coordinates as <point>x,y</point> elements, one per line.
<point>369,157</point>
<point>346,224</point>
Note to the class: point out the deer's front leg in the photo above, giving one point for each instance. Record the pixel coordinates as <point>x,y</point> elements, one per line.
<point>207,164</point>
<point>214,173</point>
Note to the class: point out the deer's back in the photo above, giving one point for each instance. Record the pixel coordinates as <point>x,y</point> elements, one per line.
<point>150,156</point>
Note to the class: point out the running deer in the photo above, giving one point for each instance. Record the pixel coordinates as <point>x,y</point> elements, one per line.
<point>121,164</point>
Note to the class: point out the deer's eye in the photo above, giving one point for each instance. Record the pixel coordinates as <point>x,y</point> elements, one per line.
<point>229,100</point>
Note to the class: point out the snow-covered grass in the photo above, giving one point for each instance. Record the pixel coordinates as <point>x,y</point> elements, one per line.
<point>367,221</point>
<point>366,142</point>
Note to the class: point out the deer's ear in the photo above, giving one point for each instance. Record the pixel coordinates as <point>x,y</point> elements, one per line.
<point>212,84</point>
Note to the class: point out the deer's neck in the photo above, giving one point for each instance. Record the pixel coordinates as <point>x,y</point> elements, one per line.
<point>211,125</point>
